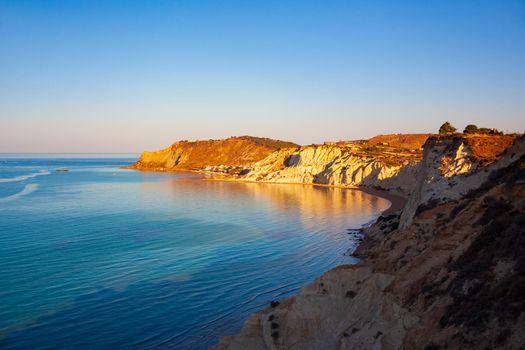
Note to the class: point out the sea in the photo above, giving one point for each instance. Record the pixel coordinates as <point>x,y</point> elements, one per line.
<point>95,256</point>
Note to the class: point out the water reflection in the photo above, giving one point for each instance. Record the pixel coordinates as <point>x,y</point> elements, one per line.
<point>318,205</point>
<point>314,206</point>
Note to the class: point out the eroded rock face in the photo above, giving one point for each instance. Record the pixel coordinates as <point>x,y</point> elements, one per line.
<point>450,169</point>
<point>340,165</point>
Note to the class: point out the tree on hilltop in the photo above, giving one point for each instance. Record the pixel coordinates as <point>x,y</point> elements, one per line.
<point>471,129</point>
<point>447,128</point>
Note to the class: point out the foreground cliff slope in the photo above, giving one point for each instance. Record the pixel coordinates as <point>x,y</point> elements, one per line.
<point>452,278</point>
<point>196,155</point>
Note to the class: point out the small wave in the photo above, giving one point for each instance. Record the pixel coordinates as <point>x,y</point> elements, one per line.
<point>25,177</point>
<point>29,188</point>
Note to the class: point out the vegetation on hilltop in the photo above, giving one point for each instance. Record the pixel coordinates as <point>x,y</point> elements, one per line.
<point>488,148</point>
<point>447,128</point>
<point>267,142</point>
<point>473,129</point>
<point>486,144</point>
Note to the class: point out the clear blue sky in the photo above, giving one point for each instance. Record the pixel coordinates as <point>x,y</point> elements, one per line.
<point>124,76</point>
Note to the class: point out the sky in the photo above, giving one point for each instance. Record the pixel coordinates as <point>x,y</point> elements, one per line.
<point>128,76</point>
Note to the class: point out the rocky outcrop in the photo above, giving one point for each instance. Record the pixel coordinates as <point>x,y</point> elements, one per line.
<point>452,278</point>
<point>232,153</point>
<point>452,166</point>
<point>347,164</point>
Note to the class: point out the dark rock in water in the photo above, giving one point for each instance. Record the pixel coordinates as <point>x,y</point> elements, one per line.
<point>274,303</point>
<point>62,170</point>
<point>388,217</point>
<point>354,230</point>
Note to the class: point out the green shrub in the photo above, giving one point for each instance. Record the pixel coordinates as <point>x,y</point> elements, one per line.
<point>471,129</point>
<point>447,128</point>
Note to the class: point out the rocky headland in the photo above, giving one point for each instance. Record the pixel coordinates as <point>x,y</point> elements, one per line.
<point>229,155</point>
<point>445,272</point>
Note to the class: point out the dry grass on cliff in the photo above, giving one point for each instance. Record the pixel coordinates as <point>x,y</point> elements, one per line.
<point>267,142</point>
<point>488,148</point>
<point>235,151</point>
<point>404,141</point>
<point>395,149</point>
<point>388,155</point>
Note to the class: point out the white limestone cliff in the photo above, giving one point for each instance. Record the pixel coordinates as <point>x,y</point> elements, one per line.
<point>336,165</point>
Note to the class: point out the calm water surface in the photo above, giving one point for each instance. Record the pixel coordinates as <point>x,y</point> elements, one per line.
<point>105,258</point>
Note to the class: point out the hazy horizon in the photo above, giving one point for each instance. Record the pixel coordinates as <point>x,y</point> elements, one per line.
<point>129,76</point>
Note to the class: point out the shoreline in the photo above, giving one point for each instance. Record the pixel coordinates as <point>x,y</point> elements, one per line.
<point>397,202</point>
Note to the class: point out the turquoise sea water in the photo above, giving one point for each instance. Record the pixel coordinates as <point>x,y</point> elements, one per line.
<point>105,258</point>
